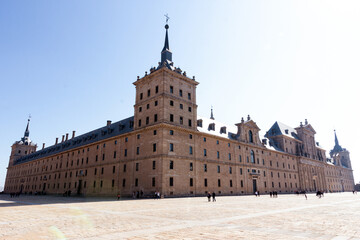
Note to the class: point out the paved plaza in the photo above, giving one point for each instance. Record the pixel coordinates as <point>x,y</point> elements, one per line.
<point>336,216</point>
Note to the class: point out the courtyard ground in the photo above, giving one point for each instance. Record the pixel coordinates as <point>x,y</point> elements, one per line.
<point>336,216</point>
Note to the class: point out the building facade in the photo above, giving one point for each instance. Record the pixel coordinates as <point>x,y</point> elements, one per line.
<point>167,147</point>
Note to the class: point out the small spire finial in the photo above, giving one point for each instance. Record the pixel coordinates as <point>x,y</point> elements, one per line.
<point>212,115</point>
<point>167,18</point>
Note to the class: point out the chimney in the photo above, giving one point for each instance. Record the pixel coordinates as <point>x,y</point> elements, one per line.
<point>67,137</point>
<point>56,141</point>
<point>43,145</point>
<point>63,137</point>
<point>108,122</point>
<point>264,141</point>
<point>73,135</point>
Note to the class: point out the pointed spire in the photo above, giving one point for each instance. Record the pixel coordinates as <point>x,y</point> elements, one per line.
<point>336,139</point>
<point>337,147</point>
<point>166,54</point>
<point>212,114</point>
<point>27,132</point>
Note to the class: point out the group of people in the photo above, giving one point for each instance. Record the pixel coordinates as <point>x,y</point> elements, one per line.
<point>273,194</point>
<point>14,194</point>
<point>138,194</point>
<point>213,195</point>
<point>157,195</point>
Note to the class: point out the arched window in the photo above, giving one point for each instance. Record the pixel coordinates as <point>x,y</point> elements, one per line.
<point>250,136</point>
<point>252,156</point>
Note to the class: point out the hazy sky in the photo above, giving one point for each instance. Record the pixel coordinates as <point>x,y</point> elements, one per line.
<point>71,64</point>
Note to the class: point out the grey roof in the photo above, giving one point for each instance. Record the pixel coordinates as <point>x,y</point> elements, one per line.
<point>115,129</point>
<point>281,129</point>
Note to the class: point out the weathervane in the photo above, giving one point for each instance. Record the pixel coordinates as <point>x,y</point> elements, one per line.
<point>167,18</point>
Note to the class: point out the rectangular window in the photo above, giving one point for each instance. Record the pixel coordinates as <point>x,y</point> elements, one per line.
<point>113,169</point>
<point>148,93</point>
<point>153,182</point>
<point>155,117</point>
<point>125,152</point>
<point>181,120</point>
<point>139,123</point>
<point>114,154</point>
<point>229,156</point>
<point>204,139</point>
<point>147,120</point>
<point>190,150</point>
<point>190,123</point>
<point>156,89</point>
<point>230,170</point>
<point>137,150</point>
<point>171,118</point>
<point>205,167</point>
<point>171,147</point>
<point>94,183</point>
<point>171,132</point>
<point>154,165</point>
<point>171,89</point>
<point>218,169</point>
<point>189,109</point>
<point>140,109</point>
<point>137,167</point>
<point>123,182</point>
<point>102,171</point>
<point>171,103</point>
<point>219,183</point>
<point>189,96</point>
<point>155,132</point>
<point>181,106</point>
<point>154,147</point>
<point>241,183</point>
<point>95,171</point>
<point>113,183</point>
<point>180,93</point>
<point>103,157</point>
<point>191,166</point>
<point>218,154</point>
<point>136,182</point>
<point>205,182</point>
<point>124,169</point>
<point>96,158</point>
<point>171,181</point>
<point>171,166</point>
<point>204,152</point>
<point>230,183</point>
<point>141,96</point>
<point>191,182</point>
<point>241,171</point>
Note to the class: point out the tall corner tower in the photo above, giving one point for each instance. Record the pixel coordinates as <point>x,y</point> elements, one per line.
<point>340,155</point>
<point>165,95</point>
<point>23,147</point>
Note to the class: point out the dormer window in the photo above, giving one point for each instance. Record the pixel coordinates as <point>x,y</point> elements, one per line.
<point>287,131</point>
<point>223,130</point>
<point>212,126</point>
<point>200,123</point>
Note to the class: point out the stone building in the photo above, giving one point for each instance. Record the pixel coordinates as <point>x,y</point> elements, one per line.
<point>167,147</point>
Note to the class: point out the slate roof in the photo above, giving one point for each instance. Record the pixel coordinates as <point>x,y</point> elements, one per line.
<point>281,129</point>
<point>114,129</point>
<point>231,130</point>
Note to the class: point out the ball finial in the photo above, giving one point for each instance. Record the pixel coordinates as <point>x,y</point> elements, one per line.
<point>166,26</point>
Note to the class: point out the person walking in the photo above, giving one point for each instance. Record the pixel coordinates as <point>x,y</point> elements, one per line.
<point>208,196</point>
<point>118,196</point>
<point>213,197</point>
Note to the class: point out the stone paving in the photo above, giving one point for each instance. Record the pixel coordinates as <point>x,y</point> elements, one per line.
<point>336,216</point>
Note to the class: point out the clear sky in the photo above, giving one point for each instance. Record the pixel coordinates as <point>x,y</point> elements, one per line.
<point>71,64</point>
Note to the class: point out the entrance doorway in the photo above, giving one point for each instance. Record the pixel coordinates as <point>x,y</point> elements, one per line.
<point>254,186</point>
<point>79,187</point>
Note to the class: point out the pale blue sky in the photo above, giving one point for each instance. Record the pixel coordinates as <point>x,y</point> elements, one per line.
<point>71,64</point>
